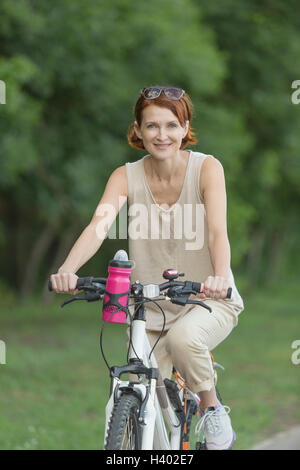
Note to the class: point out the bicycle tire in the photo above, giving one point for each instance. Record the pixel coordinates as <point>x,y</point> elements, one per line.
<point>192,417</point>
<point>124,418</point>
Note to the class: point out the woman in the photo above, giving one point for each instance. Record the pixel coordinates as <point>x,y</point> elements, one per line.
<point>184,195</point>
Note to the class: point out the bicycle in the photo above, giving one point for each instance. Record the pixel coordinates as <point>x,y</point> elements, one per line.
<point>137,412</point>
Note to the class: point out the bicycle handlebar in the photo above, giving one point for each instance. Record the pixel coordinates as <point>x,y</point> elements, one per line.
<point>178,292</point>
<point>83,282</point>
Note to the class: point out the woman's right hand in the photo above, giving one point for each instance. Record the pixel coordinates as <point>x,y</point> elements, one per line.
<point>64,282</point>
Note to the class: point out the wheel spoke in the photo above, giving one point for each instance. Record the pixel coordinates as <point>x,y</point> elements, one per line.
<point>128,436</point>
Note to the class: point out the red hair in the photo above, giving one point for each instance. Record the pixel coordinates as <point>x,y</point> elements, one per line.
<point>182,108</point>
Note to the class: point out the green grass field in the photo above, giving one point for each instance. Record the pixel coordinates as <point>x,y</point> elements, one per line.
<point>55,384</point>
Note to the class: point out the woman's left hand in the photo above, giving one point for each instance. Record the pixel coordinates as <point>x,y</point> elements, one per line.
<point>215,287</point>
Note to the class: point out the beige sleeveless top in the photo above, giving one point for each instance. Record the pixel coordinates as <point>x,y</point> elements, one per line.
<point>177,237</point>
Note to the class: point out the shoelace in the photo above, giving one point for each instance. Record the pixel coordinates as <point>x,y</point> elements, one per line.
<point>212,419</point>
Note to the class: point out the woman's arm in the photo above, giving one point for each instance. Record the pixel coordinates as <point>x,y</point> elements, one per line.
<point>213,190</point>
<point>92,237</point>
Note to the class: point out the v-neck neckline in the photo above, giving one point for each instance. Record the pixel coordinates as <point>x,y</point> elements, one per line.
<point>184,182</point>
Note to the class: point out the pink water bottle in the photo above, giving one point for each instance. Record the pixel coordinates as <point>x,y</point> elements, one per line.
<point>118,282</point>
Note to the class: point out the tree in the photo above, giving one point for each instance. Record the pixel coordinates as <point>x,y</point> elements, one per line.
<point>85,63</point>
<point>261,43</point>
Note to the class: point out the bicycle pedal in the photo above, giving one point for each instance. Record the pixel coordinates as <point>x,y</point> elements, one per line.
<point>201,446</point>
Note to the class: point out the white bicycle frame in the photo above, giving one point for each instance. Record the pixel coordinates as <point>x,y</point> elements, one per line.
<point>158,406</point>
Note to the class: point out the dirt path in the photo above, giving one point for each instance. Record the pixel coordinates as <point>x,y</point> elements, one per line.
<point>288,440</point>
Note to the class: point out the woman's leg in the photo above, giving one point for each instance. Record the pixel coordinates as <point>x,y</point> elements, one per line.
<point>208,398</point>
<point>189,342</point>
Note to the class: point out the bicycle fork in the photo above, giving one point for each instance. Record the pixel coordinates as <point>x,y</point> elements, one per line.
<point>152,394</point>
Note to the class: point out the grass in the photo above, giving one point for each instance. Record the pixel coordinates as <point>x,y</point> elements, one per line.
<point>55,385</point>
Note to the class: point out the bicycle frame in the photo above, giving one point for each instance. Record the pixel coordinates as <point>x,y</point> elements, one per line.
<point>152,392</point>
<point>159,402</point>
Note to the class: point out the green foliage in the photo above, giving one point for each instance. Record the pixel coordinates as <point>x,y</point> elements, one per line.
<point>261,43</point>
<point>73,71</point>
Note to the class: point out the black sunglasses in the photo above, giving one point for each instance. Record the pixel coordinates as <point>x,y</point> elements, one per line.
<point>152,92</point>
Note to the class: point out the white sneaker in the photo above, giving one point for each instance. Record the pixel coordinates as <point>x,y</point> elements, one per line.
<point>215,424</point>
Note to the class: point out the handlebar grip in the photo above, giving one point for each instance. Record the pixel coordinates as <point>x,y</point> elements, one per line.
<point>79,285</point>
<point>198,287</point>
<point>81,282</point>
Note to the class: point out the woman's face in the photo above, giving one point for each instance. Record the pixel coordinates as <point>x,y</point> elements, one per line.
<point>160,131</point>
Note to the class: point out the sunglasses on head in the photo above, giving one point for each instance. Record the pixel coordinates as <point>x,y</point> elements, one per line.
<point>152,92</point>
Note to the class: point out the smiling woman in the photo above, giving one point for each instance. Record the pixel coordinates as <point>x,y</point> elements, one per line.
<point>182,109</point>
<point>160,134</point>
<point>167,182</point>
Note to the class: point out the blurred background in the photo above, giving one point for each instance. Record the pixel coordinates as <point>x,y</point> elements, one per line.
<point>72,72</point>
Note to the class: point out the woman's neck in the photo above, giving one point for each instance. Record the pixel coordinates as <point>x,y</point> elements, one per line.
<point>168,169</point>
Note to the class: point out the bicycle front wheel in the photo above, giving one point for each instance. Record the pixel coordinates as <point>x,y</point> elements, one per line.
<point>124,431</point>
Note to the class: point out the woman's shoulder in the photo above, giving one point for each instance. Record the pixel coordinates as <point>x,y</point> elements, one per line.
<point>206,164</point>
<point>125,175</point>
<point>118,180</point>
<point>208,170</point>
<point>211,164</point>
<point>206,159</point>
<point>137,163</point>
<point>135,170</point>
<point>212,174</point>
<point>119,172</point>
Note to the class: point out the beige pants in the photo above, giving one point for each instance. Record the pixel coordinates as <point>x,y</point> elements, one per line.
<point>187,343</point>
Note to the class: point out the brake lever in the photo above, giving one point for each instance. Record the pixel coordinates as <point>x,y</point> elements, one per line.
<point>184,299</point>
<point>198,302</point>
<point>72,300</point>
<point>89,296</point>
